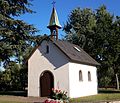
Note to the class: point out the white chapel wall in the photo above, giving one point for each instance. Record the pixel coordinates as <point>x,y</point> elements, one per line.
<point>85,87</point>
<point>55,61</point>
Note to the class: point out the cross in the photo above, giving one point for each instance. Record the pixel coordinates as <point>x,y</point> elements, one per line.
<point>53,3</point>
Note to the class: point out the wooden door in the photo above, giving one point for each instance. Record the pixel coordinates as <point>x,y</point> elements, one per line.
<point>46,84</point>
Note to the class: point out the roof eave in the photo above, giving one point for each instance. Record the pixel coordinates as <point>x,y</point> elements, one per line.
<point>86,63</point>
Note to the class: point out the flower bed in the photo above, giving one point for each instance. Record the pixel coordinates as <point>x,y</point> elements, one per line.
<point>58,96</point>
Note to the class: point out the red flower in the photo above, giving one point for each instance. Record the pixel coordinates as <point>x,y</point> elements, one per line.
<point>57,91</point>
<point>46,101</point>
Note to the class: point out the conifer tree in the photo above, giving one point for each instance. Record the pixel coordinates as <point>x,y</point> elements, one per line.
<point>15,35</point>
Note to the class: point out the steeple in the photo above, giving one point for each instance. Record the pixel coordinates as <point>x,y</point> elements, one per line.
<point>54,24</point>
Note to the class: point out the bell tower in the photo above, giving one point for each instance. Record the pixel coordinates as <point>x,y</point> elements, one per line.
<point>54,24</point>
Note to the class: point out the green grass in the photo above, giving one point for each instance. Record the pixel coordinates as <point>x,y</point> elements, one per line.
<point>104,95</point>
<point>98,98</point>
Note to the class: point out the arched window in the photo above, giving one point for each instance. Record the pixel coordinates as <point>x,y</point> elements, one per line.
<point>89,76</point>
<point>80,76</point>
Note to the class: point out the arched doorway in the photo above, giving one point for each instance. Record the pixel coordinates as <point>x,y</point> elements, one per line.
<point>46,83</point>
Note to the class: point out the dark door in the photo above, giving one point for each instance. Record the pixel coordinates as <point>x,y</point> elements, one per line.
<point>46,84</point>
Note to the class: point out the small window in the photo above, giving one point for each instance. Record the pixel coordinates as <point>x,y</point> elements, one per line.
<point>47,49</point>
<point>80,76</point>
<point>89,76</point>
<point>76,48</point>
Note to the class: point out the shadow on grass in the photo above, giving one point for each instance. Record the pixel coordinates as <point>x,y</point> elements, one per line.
<point>108,90</point>
<point>14,93</point>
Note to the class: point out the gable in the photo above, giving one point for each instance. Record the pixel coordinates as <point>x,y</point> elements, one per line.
<point>54,57</point>
<point>73,52</point>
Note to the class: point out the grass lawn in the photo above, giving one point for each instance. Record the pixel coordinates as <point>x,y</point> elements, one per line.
<point>104,95</point>
<point>98,98</point>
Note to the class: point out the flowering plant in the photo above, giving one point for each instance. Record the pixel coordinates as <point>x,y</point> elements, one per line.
<point>52,101</point>
<point>59,95</point>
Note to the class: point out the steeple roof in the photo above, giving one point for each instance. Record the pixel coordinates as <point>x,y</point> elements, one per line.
<point>54,21</point>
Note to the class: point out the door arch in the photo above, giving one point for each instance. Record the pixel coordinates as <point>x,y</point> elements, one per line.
<point>46,84</point>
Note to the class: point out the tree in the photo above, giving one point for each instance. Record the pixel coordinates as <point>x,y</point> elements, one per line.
<point>103,32</point>
<point>13,78</point>
<point>16,42</point>
<point>115,49</point>
<point>98,33</point>
<point>15,35</point>
<point>79,27</point>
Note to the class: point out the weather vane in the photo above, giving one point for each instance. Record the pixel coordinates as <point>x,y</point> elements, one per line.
<point>53,3</point>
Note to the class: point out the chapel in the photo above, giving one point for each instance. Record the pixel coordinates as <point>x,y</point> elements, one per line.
<point>61,65</point>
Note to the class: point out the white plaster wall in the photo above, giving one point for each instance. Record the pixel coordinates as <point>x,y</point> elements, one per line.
<point>55,61</point>
<point>85,87</point>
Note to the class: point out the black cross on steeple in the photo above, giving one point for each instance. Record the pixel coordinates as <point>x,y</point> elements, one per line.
<point>53,3</point>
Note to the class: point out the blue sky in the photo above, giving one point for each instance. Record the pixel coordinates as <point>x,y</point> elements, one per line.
<point>43,9</point>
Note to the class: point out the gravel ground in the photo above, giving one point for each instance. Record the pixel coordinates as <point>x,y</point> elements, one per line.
<point>23,99</point>
<point>36,99</point>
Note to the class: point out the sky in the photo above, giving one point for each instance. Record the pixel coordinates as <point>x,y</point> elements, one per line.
<point>43,9</point>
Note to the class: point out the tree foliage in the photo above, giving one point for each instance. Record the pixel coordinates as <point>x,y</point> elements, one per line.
<point>10,78</point>
<point>17,40</point>
<point>15,35</point>
<point>98,33</point>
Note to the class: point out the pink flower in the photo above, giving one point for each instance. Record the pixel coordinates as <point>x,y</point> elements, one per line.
<point>52,89</point>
